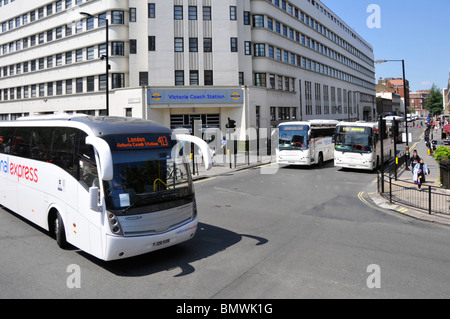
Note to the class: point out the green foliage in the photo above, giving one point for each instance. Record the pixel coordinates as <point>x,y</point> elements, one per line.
<point>442,154</point>
<point>435,102</point>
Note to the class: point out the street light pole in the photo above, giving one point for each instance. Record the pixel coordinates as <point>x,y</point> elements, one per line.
<point>106,56</point>
<point>406,99</point>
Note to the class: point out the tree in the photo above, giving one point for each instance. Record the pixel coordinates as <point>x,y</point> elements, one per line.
<point>435,101</point>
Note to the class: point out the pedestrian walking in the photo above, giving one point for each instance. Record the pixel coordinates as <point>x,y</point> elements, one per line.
<point>415,159</point>
<point>420,170</point>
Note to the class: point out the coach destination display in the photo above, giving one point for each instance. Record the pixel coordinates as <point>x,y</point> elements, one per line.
<point>195,96</point>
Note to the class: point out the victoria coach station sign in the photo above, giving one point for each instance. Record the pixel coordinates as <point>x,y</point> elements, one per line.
<point>195,96</point>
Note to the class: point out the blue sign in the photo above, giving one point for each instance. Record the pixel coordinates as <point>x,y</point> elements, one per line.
<point>195,96</point>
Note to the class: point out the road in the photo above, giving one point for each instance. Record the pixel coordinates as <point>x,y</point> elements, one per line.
<point>299,233</point>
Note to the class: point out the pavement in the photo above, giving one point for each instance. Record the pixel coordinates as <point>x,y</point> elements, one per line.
<point>406,176</point>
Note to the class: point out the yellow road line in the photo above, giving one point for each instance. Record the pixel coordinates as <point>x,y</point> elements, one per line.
<point>204,180</point>
<point>362,199</point>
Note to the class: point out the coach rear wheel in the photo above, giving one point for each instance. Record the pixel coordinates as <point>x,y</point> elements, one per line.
<point>320,159</point>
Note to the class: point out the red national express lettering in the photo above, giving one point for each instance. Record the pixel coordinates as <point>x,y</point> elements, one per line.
<point>24,172</point>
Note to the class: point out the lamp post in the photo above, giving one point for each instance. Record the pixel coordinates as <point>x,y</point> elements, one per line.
<point>106,56</point>
<point>406,99</point>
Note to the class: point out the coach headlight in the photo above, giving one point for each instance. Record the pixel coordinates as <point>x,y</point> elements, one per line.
<point>114,224</point>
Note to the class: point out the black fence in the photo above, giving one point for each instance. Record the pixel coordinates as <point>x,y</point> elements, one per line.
<point>427,198</point>
<point>444,169</point>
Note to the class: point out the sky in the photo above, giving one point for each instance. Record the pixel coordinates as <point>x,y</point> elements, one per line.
<point>414,30</point>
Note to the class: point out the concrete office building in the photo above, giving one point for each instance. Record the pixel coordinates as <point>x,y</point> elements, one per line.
<point>259,62</point>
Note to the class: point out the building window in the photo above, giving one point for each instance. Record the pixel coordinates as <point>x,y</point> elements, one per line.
<point>260,50</point>
<point>90,53</point>
<point>41,89</point>
<point>59,32</point>
<point>241,78</point>
<point>234,44</point>
<point>90,84</point>
<point>59,87</point>
<point>260,79</point>
<point>318,99</point>
<point>133,46</point>
<point>178,12</point>
<point>102,50</point>
<point>192,13</point>
<point>179,77</point>
<point>246,17</point>
<point>248,49</point>
<point>117,17</point>
<point>79,55</point>
<point>102,82</point>
<point>102,20</point>
<point>178,45</point>
<point>79,85</point>
<point>193,45</point>
<point>258,21</point>
<point>151,11</point>
<point>68,29</point>
<point>207,13</point>
<point>151,43</point>
<point>69,86</point>
<point>143,78</point>
<point>193,78</point>
<point>133,15</point>
<point>233,13</point>
<point>117,48</point>
<point>209,77</point>
<point>308,97</point>
<point>49,62</point>
<point>79,26</point>
<point>271,52</point>
<point>118,80</point>
<point>49,36</point>
<point>207,44</point>
<point>89,23</point>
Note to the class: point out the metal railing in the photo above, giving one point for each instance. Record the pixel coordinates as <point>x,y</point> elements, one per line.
<point>428,198</point>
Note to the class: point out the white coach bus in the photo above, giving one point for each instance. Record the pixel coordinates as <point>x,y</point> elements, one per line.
<point>113,187</point>
<point>358,145</point>
<point>306,143</point>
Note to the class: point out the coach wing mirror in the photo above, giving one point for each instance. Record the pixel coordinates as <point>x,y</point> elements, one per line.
<point>94,198</point>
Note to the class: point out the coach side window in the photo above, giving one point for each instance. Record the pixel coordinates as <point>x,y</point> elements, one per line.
<point>41,139</point>
<point>21,142</point>
<point>86,160</point>
<point>6,138</point>
<point>63,149</point>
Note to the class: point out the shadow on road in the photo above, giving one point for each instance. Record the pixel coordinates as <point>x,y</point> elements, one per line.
<point>208,241</point>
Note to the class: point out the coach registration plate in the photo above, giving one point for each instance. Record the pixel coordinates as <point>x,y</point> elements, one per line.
<point>161,242</point>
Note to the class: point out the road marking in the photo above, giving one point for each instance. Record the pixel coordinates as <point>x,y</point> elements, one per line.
<point>362,199</point>
<point>204,180</point>
<point>402,210</point>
